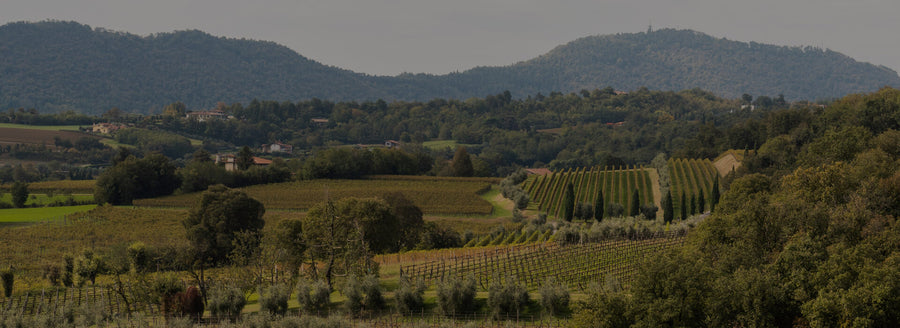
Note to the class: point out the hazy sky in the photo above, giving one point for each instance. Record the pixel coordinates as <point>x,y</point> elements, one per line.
<point>387,37</point>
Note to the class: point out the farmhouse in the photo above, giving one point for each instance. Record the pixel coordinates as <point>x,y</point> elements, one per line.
<point>107,128</point>
<point>228,160</point>
<point>392,144</point>
<point>277,147</point>
<point>202,116</point>
<point>319,122</point>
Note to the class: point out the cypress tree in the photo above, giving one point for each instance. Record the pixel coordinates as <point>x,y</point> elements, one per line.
<point>714,197</point>
<point>701,202</point>
<point>569,203</point>
<point>635,203</point>
<point>599,206</point>
<point>693,204</point>
<point>668,208</point>
<point>684,206</point>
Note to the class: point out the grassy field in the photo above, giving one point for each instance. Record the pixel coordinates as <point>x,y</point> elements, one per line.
<point>433,195</point>
<point>44,199</point>
<point>443,144</point>
<point>42,127</point>
<point>39,214</point>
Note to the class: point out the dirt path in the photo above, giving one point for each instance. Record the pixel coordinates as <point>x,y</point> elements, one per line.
<point>654,183</point>
<point>725,164</point>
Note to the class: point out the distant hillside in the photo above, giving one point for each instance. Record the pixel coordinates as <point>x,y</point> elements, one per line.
<point>683,59</point>
<point>56,66</point>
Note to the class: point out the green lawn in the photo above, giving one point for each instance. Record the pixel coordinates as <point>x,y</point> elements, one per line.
<point>42,127</point>
<point>24,215</point>
<point>44,199</point>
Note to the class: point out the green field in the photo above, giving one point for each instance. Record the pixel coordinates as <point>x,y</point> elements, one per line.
<point>443,144</point>
<point>42,127</point>
<point>26,215</point>
<point>44,199</point>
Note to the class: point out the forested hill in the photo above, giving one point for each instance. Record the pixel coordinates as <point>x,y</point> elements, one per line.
<point>55,66</point>
<point>682,59</point>
<point>65,65</point>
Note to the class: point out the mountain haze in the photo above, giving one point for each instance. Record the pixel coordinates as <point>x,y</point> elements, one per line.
<point>56,66</point>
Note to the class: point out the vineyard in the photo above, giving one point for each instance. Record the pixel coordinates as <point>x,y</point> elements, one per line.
<point>690,177</point>
<point>432,195</point>
<point>58,187</point>
<point>547,191</point>
<point>576,265</point>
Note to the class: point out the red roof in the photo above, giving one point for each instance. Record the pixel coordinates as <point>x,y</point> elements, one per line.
<point>261,161</point>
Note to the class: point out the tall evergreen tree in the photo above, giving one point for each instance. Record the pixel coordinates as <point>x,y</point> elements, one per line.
<point>599,206</point>
<point>668,208</point>
<point>244,159</point>
<point>462,163</point>
<point>684,206</point>
<point>693,204</point>
<point>569,203</point>
<point>635,204</point>
<point>19,193</point>
<point>714,196</point>
<point>701,202</point>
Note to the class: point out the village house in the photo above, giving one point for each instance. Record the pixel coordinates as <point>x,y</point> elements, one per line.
<point>228,160</point>
<point>107,128</point>
<point>277,147</point>
<point>202,116</point>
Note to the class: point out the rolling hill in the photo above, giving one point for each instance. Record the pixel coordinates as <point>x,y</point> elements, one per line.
<point>56,66</point>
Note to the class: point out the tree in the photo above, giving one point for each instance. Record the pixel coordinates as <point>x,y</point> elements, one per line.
<point>684,206</point>
<point>569,203</point>
<point>599,206</point>
<point>134,178</point>
<point>345,234</point>
<point>87,267</point>
<point>635,204</point>
<point>221,214</point>
<point>714,195</point>
<point>19,193</point>
<point>701,202</point>
<point>668,208</point>
<point>289,240</point>
<point>409,219</point>
<point>693,205</point>
<point>462,163</point>
<point>244,159</point>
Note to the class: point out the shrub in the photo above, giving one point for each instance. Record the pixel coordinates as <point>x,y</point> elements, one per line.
<point>614,210</point>
<point>649,211</point>
<point>8,278</point>
<point>313,297</point>
<point>410,298</point>
<point>554,297</point>
<point>507,297</point>
<point>226,302</point>
<point>274,299</point>
<point>363,295</point>
<point>456,296</point>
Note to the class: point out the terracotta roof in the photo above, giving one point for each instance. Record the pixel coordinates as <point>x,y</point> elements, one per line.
<point>261,161</point>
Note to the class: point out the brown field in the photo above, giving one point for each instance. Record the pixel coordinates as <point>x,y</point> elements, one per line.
<point>432,195</point>
<point>726,163</point>
<point>33,136</point>
<point>59,186</point>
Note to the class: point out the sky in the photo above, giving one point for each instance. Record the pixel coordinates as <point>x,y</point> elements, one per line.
<point>389,37</point>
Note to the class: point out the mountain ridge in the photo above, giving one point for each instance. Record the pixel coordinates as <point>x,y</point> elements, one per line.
<point>54,66</point>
